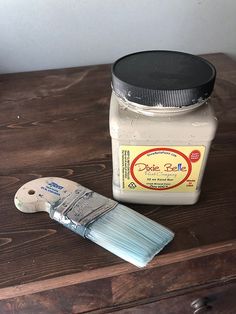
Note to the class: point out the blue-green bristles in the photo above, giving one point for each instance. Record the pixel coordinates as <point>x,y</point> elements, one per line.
<point>129,235</point>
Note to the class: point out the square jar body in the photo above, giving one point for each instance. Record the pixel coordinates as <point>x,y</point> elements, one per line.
<point>172,132</point>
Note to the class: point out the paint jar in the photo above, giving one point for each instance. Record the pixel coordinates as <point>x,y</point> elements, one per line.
<point>161,125</point>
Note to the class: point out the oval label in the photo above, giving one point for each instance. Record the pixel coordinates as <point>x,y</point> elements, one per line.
<point>160,168</point>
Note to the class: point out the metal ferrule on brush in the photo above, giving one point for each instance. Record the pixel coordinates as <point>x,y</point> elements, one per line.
<point>81,208</point>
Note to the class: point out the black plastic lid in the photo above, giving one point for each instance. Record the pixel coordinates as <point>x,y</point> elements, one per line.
<point>163,78</point>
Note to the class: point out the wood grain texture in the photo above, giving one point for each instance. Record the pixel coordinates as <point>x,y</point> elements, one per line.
<point>221,300</point>
<point>118,293</point>
<point>117,270</point>
<point>55,123</point>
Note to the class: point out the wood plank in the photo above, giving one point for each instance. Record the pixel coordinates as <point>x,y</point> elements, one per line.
<point>220,299</point>
<point>115,270</point>
<point>130,290</point>
<point>54,119</point>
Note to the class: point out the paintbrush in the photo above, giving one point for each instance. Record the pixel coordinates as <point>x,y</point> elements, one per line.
<point>117,228</point>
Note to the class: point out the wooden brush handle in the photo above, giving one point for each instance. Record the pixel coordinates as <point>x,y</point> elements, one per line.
<point>42,194</point>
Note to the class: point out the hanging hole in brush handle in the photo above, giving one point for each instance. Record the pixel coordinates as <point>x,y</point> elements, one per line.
<point>43,194</point>
<point>201,305</point>
<point>31,192</point>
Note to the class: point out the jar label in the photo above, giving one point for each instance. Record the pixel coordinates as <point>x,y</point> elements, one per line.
<point>169,169</point>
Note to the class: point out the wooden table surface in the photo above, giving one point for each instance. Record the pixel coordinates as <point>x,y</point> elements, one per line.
<point>55,123</point>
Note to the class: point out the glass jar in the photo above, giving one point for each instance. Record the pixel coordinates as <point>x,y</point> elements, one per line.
<point>161,125</point>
